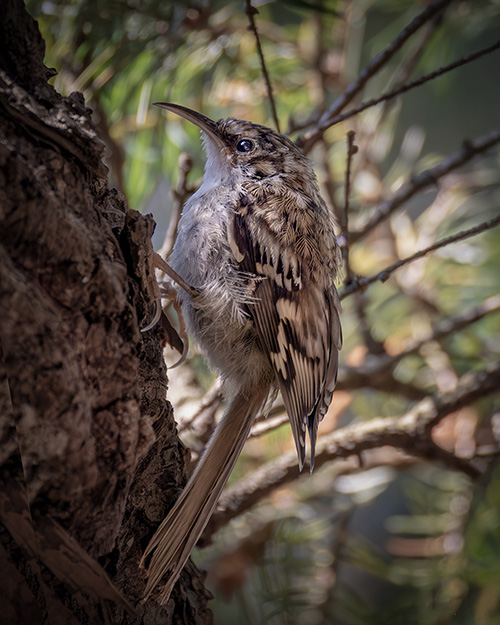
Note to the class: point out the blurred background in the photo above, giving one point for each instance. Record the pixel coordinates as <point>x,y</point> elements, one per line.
<point>384,537</point>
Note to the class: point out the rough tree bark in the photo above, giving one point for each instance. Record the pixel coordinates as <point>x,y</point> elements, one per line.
<point>85,430</point>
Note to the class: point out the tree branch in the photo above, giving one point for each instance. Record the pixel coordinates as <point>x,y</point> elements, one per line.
<point>382,276</point>
<point>310,138</point>
<point>410,432</point>
<point>354,378</point>
<point>403,88</point>
<point>181,194</point>
<point>251,11</point>
<point>469,150</point>
<point>344,216</point>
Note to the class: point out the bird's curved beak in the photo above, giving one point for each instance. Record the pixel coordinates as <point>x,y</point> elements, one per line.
<point>206,124</point>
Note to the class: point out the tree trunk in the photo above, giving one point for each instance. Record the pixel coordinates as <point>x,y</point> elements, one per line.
<point>89,456</point>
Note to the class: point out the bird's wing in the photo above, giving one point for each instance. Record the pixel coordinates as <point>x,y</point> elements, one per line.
<point>298,324</point>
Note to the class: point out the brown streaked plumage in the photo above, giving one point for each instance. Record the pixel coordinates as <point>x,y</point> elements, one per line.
<point>257,243</point>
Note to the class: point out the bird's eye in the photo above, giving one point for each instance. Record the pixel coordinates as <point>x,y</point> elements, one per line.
<point>245,146</point>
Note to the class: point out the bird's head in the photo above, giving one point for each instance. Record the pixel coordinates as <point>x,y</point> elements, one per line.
<point>243,149</point>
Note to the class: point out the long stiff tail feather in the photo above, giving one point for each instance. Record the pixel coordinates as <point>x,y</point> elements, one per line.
<point>179,532</point>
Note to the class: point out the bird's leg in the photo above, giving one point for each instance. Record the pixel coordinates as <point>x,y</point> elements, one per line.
<point>166,290</point>
<point>159,263</point>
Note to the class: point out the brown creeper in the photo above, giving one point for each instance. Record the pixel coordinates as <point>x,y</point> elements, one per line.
<point>256,244</point>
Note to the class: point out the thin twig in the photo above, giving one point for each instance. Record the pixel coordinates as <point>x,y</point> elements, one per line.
<point>329,182</point>
<point>429,177</point>
<point>344,217</point>
<point>406,70</point>
<point>251,11</point>
<point>261,428</point>
<point>375,346</point>
<point>459,322</point>
<point>353,378</point>
<point>206,411</point>
<point>309,138</point>
<point>400,89</point>
<point>371,131</point>
<point>181,193</point>
<point>382,276</point>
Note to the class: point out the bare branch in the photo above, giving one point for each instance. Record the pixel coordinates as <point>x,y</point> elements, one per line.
<point>251,11</point>
<point>197,430</point>
<point>370,132</point>
<point>355,378</point>
<point>329,181</point>
<point>382,276</point>
<point>469,150</point>
<point>268,425</point>
<point>364,327</point>
<point>410,432</point>
<point>400,89</point>
<point>181,193</point>
<point>344,217</point>
<point>459,322</point>
<point>310,138</point>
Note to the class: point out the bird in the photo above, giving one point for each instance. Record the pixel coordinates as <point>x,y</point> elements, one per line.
<point>257,254</point>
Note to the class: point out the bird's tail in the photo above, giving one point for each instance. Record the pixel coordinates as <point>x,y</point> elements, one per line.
<point>179,532</point>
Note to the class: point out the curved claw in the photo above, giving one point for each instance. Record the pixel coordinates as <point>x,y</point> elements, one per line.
<point>170,292</point>
<point>167,290</point>
<point>183,335</point>
<point>156,317</point>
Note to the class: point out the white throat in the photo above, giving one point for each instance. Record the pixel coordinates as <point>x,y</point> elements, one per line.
<point>218,167</point>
